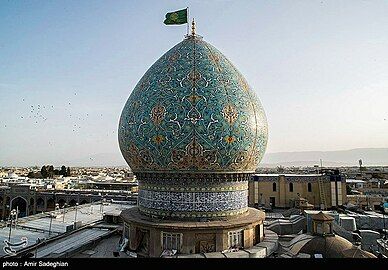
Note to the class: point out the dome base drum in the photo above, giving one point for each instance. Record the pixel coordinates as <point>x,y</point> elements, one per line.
<point>193,195</point>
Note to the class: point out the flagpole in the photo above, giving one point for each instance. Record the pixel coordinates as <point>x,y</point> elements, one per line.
<point>188,17</point>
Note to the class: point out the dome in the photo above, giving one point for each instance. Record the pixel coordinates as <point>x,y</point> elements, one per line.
<point>193,111</point>
<point>193,132</point>
<point>330,247</point>
<point>334,247</point>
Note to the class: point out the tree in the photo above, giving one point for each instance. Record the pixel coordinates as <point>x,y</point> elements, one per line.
<point>31,175</point>
<point>348,190</point>
<point>63,171</point>
<point>50,171</point>
<point>68,171</point>
<point>280,169</point>
<point>43,171</point>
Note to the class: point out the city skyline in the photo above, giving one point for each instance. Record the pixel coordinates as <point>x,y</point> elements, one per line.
<point>68,68</point>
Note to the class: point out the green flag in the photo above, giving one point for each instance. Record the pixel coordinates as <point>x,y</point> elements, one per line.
<point>176,17</point>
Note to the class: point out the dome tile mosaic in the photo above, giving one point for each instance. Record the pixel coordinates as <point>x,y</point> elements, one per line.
<point>192,113</point>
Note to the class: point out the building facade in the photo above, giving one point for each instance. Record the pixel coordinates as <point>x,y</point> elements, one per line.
<point>282,190</point>
<point>30,201</point>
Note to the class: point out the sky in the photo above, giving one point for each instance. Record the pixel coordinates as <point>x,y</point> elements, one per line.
<point>67,68</point>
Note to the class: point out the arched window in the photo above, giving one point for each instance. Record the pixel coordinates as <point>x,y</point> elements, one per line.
<point>274,187</point>
<point>309,188</point>
<point>291,186</point>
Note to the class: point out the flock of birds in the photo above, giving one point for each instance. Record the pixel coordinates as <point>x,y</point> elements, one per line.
<point>40,113</point>
<point>37,113</point>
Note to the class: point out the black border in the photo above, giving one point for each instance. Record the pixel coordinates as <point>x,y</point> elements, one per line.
<point>197,264</point>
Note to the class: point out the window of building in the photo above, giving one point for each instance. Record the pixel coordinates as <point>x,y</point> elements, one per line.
<point>274,187</point>
<point>236,239</point>
<point>309,188</point>
<point>291,186</point>
<point>171,241</point>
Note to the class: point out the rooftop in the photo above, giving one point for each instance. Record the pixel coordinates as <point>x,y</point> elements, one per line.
<point>354,181</point>
<point>37,227</point>
<point>252,216</point>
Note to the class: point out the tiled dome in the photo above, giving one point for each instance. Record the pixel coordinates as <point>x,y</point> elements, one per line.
<point>193,111</point>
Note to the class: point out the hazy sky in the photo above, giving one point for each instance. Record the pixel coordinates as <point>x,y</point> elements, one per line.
<point>67,68</point>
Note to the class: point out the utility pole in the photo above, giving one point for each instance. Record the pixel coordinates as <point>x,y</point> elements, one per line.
<point>11,218</point>
<point>75,218</point>
<point>103,201</point>
<point>64,211</point>
<point>17,215</point>
<point>51,220</point>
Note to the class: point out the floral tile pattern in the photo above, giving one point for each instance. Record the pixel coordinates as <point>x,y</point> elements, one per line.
<point>193,132</point>
<point>193,110</point>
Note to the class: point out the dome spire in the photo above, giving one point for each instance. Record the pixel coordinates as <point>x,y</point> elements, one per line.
<point>193,34</point>
<point>193,28</point>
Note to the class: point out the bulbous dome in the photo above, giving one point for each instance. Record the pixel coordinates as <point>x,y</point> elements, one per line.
<point>193,111</point>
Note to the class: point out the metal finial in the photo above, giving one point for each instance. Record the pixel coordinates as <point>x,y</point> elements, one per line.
<point>193,28</point>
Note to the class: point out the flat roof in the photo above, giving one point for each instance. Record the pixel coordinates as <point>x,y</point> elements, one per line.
<point>313,212</point>
<point>354,181</point>
<point>38,226</point>
<point>71,242</point>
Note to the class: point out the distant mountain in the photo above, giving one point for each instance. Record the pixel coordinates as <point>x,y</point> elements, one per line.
<point>304,163</point>
<point>369,156</point>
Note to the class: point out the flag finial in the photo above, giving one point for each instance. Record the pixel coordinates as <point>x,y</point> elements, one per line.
<point>193,28</point>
